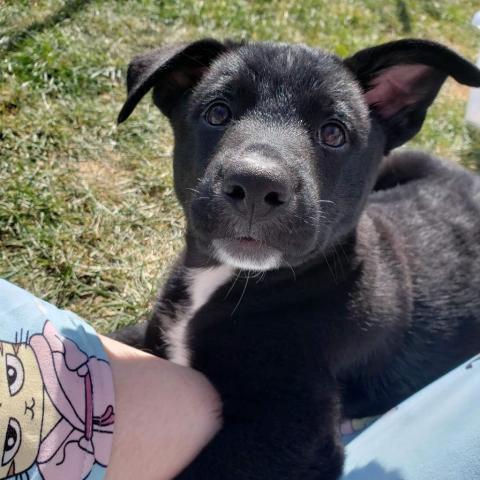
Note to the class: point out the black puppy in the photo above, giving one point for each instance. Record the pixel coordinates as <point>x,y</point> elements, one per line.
<point>317,282</point>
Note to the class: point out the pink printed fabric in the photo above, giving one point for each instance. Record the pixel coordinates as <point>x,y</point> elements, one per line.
<point>81,389</point>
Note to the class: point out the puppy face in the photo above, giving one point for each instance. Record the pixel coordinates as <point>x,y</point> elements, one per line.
<point>274,155</point>
<point>277,146</point>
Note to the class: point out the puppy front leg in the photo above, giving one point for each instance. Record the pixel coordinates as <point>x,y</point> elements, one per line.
<point>133,335</point>
<point>294,441</point>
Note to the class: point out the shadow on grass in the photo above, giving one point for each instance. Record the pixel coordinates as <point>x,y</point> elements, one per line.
<point>470,157</point>
<point>70,7</point>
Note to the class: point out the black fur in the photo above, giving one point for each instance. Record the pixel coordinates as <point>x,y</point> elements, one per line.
<point>377,290</point>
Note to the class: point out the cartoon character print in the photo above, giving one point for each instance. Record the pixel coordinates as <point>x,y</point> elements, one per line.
<point>56,408</point>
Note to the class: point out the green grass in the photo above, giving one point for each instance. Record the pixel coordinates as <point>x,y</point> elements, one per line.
<point>87,214</point>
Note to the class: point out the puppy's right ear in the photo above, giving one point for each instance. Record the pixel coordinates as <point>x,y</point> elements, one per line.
<point>170,70</point>
<point>401,79</point>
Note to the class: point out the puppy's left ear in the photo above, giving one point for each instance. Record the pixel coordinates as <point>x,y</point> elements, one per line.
<point>401,79</point>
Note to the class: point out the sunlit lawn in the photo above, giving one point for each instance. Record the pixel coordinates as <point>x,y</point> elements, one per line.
<point>87,214</point>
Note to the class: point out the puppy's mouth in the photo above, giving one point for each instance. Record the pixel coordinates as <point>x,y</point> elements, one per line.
<point>246,253</point>
<point>246,242</point>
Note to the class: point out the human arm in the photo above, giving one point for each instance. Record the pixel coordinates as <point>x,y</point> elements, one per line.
<point>164,414</point>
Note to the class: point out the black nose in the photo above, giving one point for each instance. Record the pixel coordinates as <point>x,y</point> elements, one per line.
<point>256,187</point>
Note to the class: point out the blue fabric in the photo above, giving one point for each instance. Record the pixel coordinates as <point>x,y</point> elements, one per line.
<point>37,339</point>
<point>433,435</point>
<point>20,311</point>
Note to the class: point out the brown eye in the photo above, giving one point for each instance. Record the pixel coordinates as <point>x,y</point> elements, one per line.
<point>332,134</point>
<point>218,114</point>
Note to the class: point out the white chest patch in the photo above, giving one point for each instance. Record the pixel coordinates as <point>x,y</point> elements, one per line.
<point>202,283</point>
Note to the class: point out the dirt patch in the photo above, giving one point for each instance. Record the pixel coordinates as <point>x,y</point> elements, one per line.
<point>104,177</point>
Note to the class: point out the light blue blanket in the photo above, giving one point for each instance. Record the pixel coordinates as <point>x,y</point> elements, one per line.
<point>433,435</point>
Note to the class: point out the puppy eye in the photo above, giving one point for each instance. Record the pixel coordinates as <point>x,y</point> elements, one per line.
<point>218,114</point>
<point>15,373</point>
<point>332,134</point>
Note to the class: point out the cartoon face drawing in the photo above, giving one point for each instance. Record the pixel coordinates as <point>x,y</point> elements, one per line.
<point>22,408</point>
<point>50,415</point>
